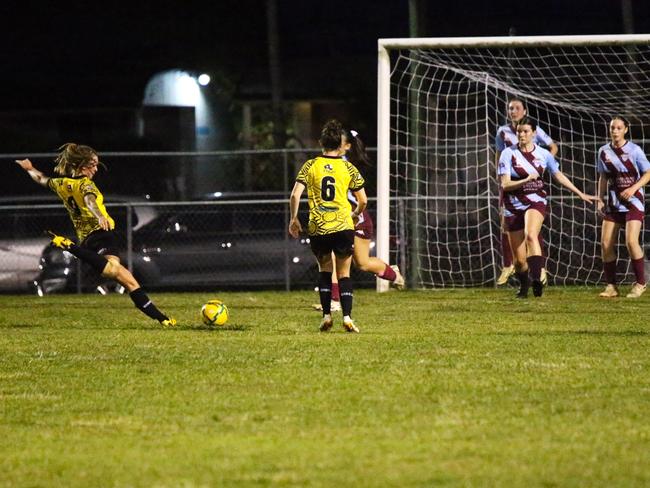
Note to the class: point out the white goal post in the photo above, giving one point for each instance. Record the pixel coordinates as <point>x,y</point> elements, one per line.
<point>439,104</point>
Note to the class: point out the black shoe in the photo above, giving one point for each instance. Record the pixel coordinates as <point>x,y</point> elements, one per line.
<point>538,288</point>
<point>522,293</point>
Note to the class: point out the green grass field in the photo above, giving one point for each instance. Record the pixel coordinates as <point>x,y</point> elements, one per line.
<point>441,388</point>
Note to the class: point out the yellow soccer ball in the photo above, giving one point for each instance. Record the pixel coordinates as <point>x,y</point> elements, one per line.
<point>214,312</point>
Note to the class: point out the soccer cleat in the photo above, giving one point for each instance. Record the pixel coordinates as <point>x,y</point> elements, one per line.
<point>611,291</point>
<point>60,241</point>
<point>399,282</point>
<point>636,291</point>
<point>505,275</point>
<point>326,323</point>
<point>538,288</point>
<point>334,306</point>
<point>348,325</point>
<point>170,322</point>
<point>543,276</point>
<point>522,293</point>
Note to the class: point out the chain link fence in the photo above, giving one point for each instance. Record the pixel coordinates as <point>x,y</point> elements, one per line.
<point>200,220</point>
<point>233,244</point>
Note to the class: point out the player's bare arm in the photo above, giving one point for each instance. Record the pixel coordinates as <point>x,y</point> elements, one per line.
<point>294,202</point>
<point>508,185</point>
<point>629,192</point>
<point>362,203</point>
<point>91,202</point>
<point>552,148</point>
<point>566,182</point>
<point>35,174</point>
<point>602,191</point>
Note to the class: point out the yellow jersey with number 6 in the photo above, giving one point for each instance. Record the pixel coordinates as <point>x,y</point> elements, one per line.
<point>328,179</point>
<point>72,192</point>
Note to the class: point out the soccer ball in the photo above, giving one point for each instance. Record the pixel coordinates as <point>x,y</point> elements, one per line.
<point>214,312</point>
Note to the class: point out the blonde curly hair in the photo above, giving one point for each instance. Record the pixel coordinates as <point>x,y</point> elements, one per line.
<point>72,157</point>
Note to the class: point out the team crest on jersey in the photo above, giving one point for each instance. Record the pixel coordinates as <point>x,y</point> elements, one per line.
<point>69,187</point>
<point>328,167</point>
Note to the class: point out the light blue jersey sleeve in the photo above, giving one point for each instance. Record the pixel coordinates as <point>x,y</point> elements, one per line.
<point>505,162</point>
<point>600,166</point>
<point>499,145</point>
<point>641,160</point>
<point>542,137</point>
<point>551,163</point>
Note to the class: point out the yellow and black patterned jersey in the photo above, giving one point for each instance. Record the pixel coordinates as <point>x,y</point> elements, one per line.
<point>328,180</point>
<point>72,191</point>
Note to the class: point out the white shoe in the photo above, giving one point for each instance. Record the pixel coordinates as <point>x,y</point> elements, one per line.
<point>543,276</point>
<point>506,273</point>
<point>636,291</point>
<point>326,323</point>
<point>611,291</point>
<point>348,325</point>
<point>399,282</point>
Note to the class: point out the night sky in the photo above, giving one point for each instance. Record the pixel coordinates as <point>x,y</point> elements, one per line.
<point>101,54</point>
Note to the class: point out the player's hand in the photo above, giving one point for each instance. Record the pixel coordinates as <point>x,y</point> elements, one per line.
<point>355,219</point>
<point>588,198</point>
<point>600,206</point>
<point>295,228</point>
<point>104,223</point>
<point>628,193</point>
<point>26,164</point>
<point>533,176</point>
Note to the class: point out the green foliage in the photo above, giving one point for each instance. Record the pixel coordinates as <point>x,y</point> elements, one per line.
<point>449,388</point>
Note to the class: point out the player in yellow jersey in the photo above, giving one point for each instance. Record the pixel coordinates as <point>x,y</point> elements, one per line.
<point>331,218</point>
<point>77,165</point>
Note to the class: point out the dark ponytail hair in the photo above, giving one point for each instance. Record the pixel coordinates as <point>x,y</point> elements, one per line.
<point>520,100</point>
<point>331,136</point>
<point>528,121</point>
<point>626,122</point>
<point>357,154</point>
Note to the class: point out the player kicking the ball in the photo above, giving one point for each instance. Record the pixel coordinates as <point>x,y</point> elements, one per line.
<point>77,166</point>
<point>331,227</point>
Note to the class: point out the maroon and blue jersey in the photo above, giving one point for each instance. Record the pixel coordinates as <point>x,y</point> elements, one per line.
<point>623,167</point>
<point>507,137</point>
<point>519,165</point>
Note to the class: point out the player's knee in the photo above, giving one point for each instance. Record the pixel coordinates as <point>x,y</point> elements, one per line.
<point>112,269</point>
<point>362,264</point>
<point>531,238</point>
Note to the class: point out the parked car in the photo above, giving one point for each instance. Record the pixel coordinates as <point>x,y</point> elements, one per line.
<point>239,243</point>
<point>199,245</point>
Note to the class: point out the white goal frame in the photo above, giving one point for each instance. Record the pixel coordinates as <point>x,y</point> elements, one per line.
<point>384,100</point>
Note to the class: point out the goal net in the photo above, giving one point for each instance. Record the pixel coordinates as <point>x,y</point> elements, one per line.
<point>440,103</point>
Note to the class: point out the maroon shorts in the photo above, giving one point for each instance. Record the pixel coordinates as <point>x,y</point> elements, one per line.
<point>517,222</point>
<point>365,229</point>
<point>621,217</point>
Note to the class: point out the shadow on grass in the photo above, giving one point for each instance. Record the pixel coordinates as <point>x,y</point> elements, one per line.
<point>20,326</point>
<point>585,332</point>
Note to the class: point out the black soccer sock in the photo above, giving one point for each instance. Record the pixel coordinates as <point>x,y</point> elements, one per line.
<point>325,291</point>
<point>142,301</point>
<point>523,281</point>
<point>96,261</point>
<point>345,285</point>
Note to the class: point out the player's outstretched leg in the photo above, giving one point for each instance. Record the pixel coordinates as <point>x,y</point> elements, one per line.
<point>110,267</point>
